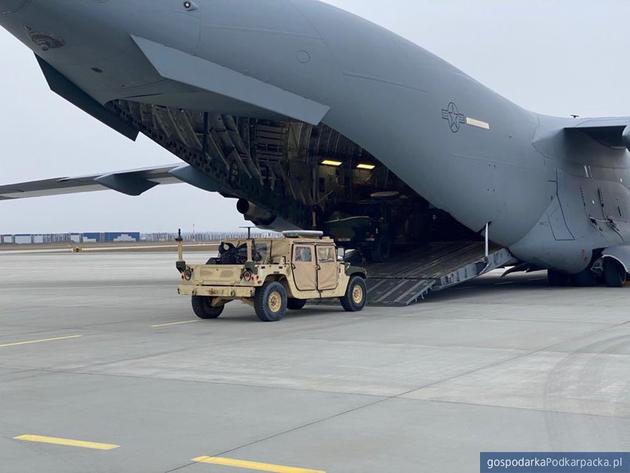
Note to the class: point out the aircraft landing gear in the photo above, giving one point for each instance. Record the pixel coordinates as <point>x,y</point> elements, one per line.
<point>584,279</point>
<point>610,272</point>
<point>614,273</point>
<point>558,279</point>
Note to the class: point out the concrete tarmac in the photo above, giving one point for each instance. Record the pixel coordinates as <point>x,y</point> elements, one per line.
<point>101,357</point>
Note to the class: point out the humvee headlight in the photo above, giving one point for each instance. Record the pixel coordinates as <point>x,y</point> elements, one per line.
<point>247,276</point>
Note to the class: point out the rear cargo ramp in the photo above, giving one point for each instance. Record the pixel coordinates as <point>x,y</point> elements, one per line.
<point>408,277</point>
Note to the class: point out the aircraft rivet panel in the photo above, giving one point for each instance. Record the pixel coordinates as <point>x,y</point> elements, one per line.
<point>10,6</point>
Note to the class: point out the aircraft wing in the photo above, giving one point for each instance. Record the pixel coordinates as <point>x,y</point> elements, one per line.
<point>608,131</point>
<point>133,182</point>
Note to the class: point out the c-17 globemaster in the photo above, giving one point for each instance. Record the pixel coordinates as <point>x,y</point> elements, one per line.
<point>314,118</point>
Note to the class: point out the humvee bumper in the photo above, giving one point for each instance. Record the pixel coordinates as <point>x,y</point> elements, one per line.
<point>224,292</point>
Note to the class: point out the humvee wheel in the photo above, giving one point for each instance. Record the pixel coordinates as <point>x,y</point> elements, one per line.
<point>356,295</point>
<point>203,308</point>
<point>296,304</point>
<point>270,301</point>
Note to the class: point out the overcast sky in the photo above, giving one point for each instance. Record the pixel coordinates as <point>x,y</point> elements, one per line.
<point>558,57</point>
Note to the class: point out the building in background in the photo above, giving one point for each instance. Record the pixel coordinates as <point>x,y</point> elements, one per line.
<point>124,237</point>
<point>110,237</point>
<point>53,238</point>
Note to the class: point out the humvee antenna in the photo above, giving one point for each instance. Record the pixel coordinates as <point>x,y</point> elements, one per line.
<point>249,232</point>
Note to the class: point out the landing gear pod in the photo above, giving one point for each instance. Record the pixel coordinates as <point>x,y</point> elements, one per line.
<point>614,273</point>
<point>616,265</point>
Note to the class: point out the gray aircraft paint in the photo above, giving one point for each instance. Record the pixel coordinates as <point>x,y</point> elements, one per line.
<point>548,192</point>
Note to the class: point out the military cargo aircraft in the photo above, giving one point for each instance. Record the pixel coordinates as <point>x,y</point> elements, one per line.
<point>314,118</point>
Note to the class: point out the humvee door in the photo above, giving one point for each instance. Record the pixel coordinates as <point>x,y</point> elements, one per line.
<point>327,273</point>
<point>304,269</point>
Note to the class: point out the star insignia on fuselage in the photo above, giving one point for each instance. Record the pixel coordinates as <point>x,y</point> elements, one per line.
<point>455,119</point>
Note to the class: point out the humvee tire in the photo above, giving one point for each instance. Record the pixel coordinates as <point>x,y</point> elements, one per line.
<point>296,304</point>
<point>202,307</point>
<point>270,301</point>
<point>356,295</point>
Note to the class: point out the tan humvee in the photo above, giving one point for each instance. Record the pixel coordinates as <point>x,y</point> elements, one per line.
<point>273,275</point>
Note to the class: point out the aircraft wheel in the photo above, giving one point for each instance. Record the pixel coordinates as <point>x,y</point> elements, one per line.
<point>296,304</point>
<point>558,279</point>
<point>270,302</point>
<point>203,308</point>
<point>356,295</point>
<point>584,279</point>
<point>614,273</point>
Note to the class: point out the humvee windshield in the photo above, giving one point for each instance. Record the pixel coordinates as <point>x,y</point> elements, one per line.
<point>260,252</point>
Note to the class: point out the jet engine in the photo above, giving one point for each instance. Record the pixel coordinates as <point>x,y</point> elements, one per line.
<point>257,215</point>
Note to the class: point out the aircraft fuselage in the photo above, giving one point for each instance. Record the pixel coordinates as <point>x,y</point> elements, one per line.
<point>459,145</point>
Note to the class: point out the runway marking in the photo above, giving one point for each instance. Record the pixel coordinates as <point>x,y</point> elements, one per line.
<point>66,442</point>
<point>31,342</point>
<point>169,324</point>
<point>249,465</point>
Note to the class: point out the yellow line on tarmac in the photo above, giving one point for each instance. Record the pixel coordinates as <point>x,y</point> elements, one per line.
<point>169,324</point>
<point>31,342</point>
<point>248,465</point>
<point>66,442</point>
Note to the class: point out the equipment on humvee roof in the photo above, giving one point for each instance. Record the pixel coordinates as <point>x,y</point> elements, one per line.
<point>272,275</point>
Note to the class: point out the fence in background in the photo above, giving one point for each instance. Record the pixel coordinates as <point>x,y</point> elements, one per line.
<point>123,237</point>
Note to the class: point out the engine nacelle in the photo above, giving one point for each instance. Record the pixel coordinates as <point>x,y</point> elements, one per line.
<point>257,215</point>
<point>263,218</point>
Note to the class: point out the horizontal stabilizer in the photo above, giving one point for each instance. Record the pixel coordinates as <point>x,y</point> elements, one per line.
<point>192,70</point>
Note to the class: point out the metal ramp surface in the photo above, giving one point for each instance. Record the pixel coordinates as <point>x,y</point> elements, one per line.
<point>410,276</point>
